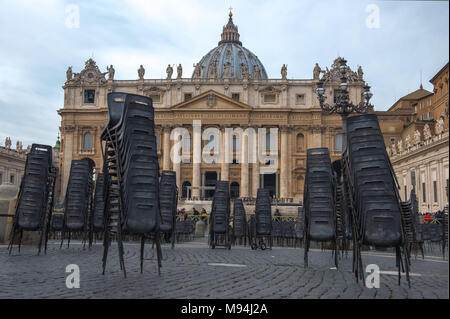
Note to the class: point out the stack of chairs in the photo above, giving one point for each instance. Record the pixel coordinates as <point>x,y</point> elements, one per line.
<point>239,222</point>
<point>319,198</point>
<point>277,231</point>
<point>36,194</point>
<point>416,243</point>
<point>219,230</point>
<point>131,173</point>
<point>263,220</point>
<point>78,200</point>
<point>168,199</point>
<point>287,233</point>
<point>97,225</point>
<point>376,210</point>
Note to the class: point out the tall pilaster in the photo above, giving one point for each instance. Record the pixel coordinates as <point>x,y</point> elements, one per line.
<point>284,165</point>
<point>197,156</point>
<point>166,148</point>
<point>224,167</point>
<point>255,166</point>
<point>244,166</point>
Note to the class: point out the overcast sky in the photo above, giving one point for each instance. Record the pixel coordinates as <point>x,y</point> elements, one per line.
<point>394,41</point>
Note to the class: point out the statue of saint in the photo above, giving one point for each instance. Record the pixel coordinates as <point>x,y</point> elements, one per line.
<point>227,70</point>
<point>244,71</point>
<point>19,146</point>
<point>408,141</point>
<point>439,127</point>
<point>360,73</point>
<point>8,143</point>
<point>316,72</point>
<point>69,73</point>
<point>400,146</point>
<point>417,137</point>
<point>111,72</point>
<point>179,71</point>
<point>196,70</point>
<point>283,72</point>
<point>256,71</point>
<point>393,149</point>
<point>212,70</point>
<point>141,72</point>
<point>427,132</point>
<point>169,72</point>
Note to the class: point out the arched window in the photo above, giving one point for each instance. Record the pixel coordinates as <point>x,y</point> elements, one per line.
<point>300,142</point>
<point>87,142</point>
<point>338,142</point>
<point>234,190</point>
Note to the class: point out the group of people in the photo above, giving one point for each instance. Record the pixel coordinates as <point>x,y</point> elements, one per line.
<point>183,215</point>
<point>437,216</point>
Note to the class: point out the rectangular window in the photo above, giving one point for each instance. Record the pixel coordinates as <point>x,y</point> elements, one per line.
<point>406,193</point>
<point>424,198</point>
<point>300,99</point>
<point>430,115</point>
<point>422,117</point>
<point>89,96</point>
<point>270,98</point>
<point>156,98</point>
<point>421,105</point>
<point>235,96</point>
<point>12,179</point>
<point>429,102</point>
<point>187,96</point>
<point>435,191</point>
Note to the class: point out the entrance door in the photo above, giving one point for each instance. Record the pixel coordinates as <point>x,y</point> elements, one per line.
<point>210,180</point>
<point>270,183</point>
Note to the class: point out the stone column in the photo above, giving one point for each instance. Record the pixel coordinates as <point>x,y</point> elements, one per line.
<point>166,148</point>
<point>224,167</point>
<point>284,169</point>
<point>244,166</point>
<point>197,157</point>
<point>255,166</point>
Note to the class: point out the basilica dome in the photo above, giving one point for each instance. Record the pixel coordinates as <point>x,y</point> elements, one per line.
<point>230,59</point>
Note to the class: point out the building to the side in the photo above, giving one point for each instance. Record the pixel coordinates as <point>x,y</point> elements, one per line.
<point>229,88</point>
<point>420,151</point>
<point>12,163</point>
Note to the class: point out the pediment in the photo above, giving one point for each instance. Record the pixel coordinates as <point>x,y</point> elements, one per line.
<point>212,100</point>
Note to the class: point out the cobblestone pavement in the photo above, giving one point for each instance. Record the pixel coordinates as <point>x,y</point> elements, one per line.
<point>192,270</point>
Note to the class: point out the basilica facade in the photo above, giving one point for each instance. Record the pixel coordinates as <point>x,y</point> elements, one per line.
<point>229,89</point>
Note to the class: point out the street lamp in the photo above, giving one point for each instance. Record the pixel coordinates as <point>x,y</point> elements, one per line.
<point>343,106</point>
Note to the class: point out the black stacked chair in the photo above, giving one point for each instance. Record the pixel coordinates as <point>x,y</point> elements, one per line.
<point>263,220</point>
<point>239,222</point>
<point>445,230</point>
<point>36,195</point>
<point>375,202</point>
<point>96,223</point>
<point>219,230</point>
<point>78,200</point>
<point>319,201</point>
<point>131,173</point>
<point>168,199</point>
